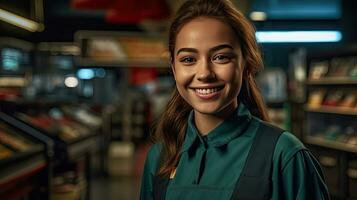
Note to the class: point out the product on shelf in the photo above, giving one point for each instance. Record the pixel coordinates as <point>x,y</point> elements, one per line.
<point>5,152</point>
<point>64,189</point>
<point>316,98</point>
<point>318,70</point>
<point>342,67</point>
<point>333,132</point>
<point>83,116</point>
<point>62,127</point>
<point>353,140</point>
<point>346,135</point>
<point>143,48</point>
<point>349,100</point>
<point>70,183</point>
<point>104,49</point>
<point>14,141</point>
<point>9,93</point>
<point>126,48</point>
<point>333,98</point>
<point>339,67</point>
<point>353,71</point>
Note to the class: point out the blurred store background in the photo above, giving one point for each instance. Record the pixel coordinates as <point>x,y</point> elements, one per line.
<point>81,81</point>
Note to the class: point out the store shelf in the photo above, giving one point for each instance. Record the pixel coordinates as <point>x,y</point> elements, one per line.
<point>33,102</point>
<point>121,49</point>
<point>67,149</point>
<point>150,63</point>
<point>22,165</point>
<point>332,110</point>
<point>80,148</point>
<point>12,82</point>
<point>333,81</point>
<point>331,144</point>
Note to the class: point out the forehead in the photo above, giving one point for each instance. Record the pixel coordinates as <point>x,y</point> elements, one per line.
<point>205,32</point>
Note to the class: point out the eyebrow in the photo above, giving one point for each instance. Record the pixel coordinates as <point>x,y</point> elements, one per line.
<point>213,49</point>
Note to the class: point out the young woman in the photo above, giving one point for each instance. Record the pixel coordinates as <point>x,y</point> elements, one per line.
<point>213,140</point>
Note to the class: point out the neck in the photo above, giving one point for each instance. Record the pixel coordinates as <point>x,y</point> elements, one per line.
<point>207,122</point>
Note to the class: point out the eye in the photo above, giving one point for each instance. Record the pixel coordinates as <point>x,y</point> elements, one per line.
<point>221,58</point>
<point>188,60</point>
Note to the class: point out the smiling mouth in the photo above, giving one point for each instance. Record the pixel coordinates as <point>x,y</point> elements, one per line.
<point>207,91</point>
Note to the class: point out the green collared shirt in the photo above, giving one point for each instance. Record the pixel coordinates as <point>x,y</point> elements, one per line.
<point>210,165</point>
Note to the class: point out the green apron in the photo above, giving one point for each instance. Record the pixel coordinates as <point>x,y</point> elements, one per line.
<point>210,166</point>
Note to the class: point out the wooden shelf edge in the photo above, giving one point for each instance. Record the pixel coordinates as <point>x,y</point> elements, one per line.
<point>333,81</point>
<point>88,62</point>
<point>332,110</point>
<point>331,144</point>
<point>22,169</point>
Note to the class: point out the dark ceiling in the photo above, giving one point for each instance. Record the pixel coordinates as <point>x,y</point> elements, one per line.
<point>62,21</point>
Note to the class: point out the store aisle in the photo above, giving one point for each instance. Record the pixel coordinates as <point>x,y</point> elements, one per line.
<point>115,188</point>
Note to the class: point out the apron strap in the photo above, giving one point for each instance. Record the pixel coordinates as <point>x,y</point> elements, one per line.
<point>255,179</point>
<point>160,187</point>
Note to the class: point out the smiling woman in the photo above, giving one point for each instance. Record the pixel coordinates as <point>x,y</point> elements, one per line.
<point>213,141</point>
<point>207,70</point>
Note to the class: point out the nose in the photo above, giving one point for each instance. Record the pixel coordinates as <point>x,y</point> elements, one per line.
<point>205,72</point>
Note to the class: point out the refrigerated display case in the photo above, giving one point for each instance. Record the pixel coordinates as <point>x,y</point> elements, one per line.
<point>74,133</point>
<point>24,166</point>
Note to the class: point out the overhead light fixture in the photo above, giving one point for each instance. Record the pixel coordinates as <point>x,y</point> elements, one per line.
<point>258,16</point>
<point>86,74</point>
<point>71,81</point>
<point>19,21</point>
<point>298,36</point>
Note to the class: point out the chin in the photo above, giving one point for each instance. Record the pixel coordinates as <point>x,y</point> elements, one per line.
<point>207,110</point>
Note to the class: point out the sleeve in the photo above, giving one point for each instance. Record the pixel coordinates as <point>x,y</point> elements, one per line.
<point>150,166</point>
<point>302,178</point>
<point>297,174</point>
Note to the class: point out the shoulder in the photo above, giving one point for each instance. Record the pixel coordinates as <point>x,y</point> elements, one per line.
<point>150,169</point>
<point>286,148</point>
<point>155,150</point>
<point>286,142</point>
<point>153,156</point>
<point>287,145</point>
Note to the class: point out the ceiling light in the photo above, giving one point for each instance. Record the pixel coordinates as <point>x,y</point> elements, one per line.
<point>71,81</point>
<point>258,16</point>
<point>19,21</point>
<point>298,36</point>
<point>85,74</point>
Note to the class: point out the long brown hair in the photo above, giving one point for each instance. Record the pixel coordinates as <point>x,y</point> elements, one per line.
<point>170,129</point>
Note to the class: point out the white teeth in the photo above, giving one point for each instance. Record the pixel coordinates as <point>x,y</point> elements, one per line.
<point>206,91</point>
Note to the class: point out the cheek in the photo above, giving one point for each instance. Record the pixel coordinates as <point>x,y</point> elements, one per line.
<point>182,76</point>
<point>232,75</point>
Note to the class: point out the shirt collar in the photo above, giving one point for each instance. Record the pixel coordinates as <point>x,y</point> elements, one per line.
<point>229,129</point>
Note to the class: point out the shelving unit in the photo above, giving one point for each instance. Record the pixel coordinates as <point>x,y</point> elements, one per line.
<point>64,156</point>
<point>121,49</point>
<point>25,164</point>
<point>331,144</point>
<point>333,81</point>
<point>332,110</point>
<point>26,170</point>
<point>121,63</point>
<point>140,59</point>
<point>330,119</point>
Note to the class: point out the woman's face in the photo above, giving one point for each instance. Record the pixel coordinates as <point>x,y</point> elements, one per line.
<point>207,66</point>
